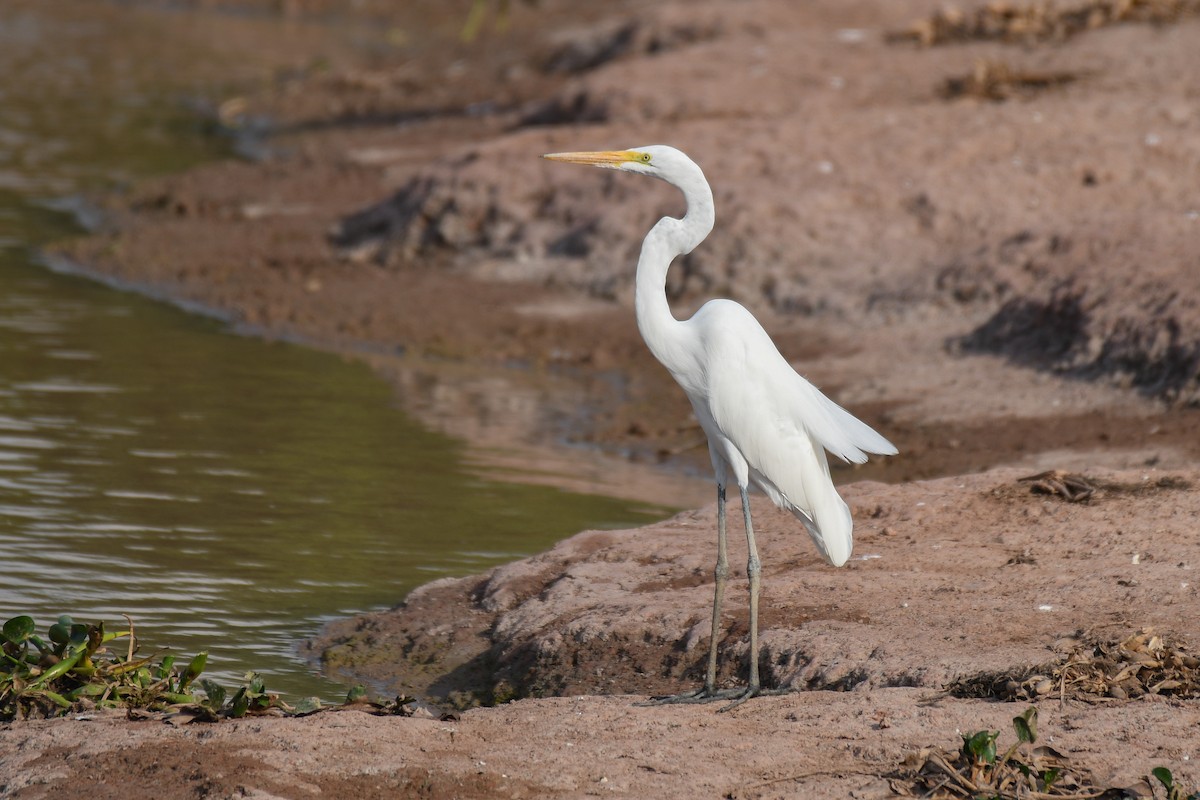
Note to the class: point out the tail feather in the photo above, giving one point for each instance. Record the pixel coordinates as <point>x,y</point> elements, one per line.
<point>838,431</point>
<point>814,500</point>
<point>835,539</point>
<point>828,519</point>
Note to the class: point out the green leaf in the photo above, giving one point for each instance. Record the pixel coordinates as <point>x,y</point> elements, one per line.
<point>164,667</point>
<point>1026,725</point>
<point>240,704</point>
<point>194,668</point>
<point>143,677</point>
<point>1164,777</point>
<point>181,699</point>
<point>79,634</point>
<point>87,690</point>
<point>108,637</point>
<point>981,746</point>
<point>60,633</point>
<point>56,698</point>
<point>18,629</point>
<point>307,705</point>
<point>61,668</point>
<point>1049,777</point>
<point>214,692</point>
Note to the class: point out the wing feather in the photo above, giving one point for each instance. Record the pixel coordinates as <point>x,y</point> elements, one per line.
<point>838,431</point>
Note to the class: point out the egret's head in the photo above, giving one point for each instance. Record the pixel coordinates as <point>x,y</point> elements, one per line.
<point>659,161</point>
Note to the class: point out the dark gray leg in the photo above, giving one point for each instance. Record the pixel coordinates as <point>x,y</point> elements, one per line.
<point>720,573</point>
<point>754,573</point>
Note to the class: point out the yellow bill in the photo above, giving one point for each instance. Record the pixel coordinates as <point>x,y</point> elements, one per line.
<point>611,159</point>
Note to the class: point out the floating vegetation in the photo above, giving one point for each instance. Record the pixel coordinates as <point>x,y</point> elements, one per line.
<point>73,668</point>
<point>996,81</point>
<point>78,667</point>
<point>1038,21</point>
<point>1144,664</point>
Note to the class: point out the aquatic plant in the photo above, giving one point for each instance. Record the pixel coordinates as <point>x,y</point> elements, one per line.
<point>77,667</point>
<point>73,667</point>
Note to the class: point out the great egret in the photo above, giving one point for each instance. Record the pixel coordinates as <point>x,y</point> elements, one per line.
<point>765,423</point>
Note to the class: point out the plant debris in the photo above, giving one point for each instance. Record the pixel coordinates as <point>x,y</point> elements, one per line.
<point>1072,488</point>
<point>1076,488</point>
<point>1144,664</point>
<point>1038,21</point>
<point>977,770</point>
<point>996,81</point>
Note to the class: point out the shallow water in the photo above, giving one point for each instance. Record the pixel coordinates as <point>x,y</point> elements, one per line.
<point>227,493</point>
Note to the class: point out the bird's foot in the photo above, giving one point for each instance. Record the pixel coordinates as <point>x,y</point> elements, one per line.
<point>736,696</point>
<point>705,695</point>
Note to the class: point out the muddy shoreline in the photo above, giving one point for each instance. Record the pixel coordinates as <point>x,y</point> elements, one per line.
<point>1001,279</point>
<point>381,229</point>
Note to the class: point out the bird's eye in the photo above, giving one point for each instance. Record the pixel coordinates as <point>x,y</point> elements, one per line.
<point>645,158</point>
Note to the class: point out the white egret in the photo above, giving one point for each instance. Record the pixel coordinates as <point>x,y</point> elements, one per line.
<point>765,424</point>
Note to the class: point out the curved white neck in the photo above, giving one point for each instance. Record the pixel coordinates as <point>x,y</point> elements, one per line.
<point>669,238</point>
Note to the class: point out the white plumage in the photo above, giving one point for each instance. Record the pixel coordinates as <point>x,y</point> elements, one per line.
<point>766,425</point>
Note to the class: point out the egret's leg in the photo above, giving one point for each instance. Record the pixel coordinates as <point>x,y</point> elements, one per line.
<point>709,693</point>
<point>720,573</point>
<point>754,572</point>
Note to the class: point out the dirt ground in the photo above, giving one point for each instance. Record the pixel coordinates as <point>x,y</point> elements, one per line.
<point>965,595</point>
<point>976,231</point>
